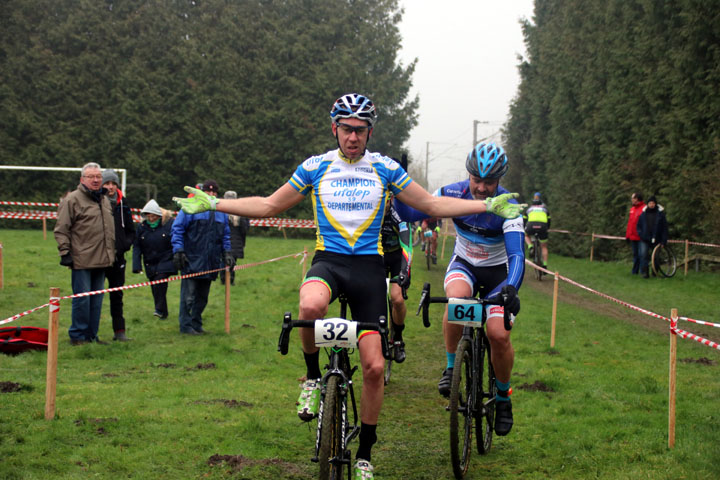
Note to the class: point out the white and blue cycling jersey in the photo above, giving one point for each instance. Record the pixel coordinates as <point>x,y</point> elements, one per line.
<point>485,239</point>
<point>349,199</point>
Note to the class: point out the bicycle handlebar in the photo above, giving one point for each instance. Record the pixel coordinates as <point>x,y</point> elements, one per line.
<point>288,323</point>
<point>426,300</point>
<point>396,280</point>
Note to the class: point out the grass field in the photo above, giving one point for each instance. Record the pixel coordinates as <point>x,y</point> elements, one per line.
<point>166,406</point>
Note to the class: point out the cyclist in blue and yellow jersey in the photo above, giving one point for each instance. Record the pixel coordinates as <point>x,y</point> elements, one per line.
<point>488,260</point>
<point>537,218</point>
<point>349,187</point>
<point>397,254</point>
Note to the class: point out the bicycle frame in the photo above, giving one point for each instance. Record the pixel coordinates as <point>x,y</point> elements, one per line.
<point>338,366</point>
<point>473,404</point>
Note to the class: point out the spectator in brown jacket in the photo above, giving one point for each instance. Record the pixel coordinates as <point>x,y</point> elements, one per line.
<point>85,234</point>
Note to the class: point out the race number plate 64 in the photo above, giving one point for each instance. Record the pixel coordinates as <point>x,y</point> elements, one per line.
<point>335,332</point>
<point>465,311</point>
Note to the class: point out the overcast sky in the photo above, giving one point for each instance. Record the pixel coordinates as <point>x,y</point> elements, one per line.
<point>467,53</point>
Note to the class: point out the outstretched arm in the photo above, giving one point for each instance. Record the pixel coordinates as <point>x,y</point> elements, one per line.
<point>447,207</point>
<point>282,199</point>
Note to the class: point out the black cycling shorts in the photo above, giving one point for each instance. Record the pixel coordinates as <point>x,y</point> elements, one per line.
<point>360,278</point>
<point>484,280</point>
<point>393,263</point>
<point>537,227</point>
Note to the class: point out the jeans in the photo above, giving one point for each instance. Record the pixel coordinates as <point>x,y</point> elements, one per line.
<point>636,255</point>
<point>86,310</point>
<point>193,299</point>
<point>644,252</point>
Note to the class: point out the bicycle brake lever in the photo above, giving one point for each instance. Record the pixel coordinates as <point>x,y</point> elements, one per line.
<point>383,330</point>
<point>285,334</point>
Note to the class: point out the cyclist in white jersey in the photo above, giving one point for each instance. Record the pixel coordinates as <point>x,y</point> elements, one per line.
<point>349,188</point>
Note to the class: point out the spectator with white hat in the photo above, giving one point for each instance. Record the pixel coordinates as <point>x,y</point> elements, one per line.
<point>154,247</point>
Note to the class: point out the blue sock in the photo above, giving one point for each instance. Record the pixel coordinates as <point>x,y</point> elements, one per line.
<point>503,393</point>
<point>450,360</point>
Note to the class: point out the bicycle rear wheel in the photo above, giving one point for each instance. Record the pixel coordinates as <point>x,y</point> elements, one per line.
<point>537,257</point>
<point>461,405</point>
<point>485,407</point>
<point>331,435</point>
<point>663,261</point>
<point>427,255</point>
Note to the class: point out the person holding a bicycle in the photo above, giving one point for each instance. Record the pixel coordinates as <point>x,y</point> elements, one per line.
<point>349,187</point>
<point>488,260</point>
<point>652,228</point>
<point>397,254</point>
<point>537,219</point>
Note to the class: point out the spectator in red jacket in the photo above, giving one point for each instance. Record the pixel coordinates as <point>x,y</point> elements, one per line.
<point>631,234</point>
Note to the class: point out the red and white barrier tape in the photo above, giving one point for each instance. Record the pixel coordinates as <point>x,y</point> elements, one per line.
<point>625,304</point>
<point>145,284</point>
<point>612,237</point>
<point>301,223</point>
<point>697,338</point>
<point>673,327</point>
<point>700,322</point>
<point>255,222</point>
<point>29,204</point>
<point>282,222</point>
<point>27,312</point>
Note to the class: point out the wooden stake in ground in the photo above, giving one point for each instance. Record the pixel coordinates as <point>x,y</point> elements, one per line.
<point>51,372</point>
<point>592,245</point>
<point>304,263</point>
<point>227,299</point>
<point>673,374</point>
<point>554,309</point>
<point>687,259</point>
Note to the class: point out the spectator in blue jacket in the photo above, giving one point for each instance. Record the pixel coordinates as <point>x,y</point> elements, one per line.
<point>652,229</point>
<point>153,245</point>
<point>201,242</point>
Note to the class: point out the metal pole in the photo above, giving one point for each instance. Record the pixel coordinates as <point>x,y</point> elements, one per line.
<point>427,160</point>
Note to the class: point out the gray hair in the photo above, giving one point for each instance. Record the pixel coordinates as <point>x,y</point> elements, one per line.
<point>89,166</point>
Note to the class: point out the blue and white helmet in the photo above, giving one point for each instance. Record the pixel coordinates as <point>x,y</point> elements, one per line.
<point>354,105</point>
<point>487,160</point>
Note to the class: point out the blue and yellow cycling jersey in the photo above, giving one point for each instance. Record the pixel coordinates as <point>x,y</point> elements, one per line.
<point>349,199</point>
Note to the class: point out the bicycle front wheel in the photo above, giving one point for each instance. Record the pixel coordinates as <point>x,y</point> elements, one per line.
<point>461,406</point>
<point>485,407</point>
<point>663,261</point>
<point>331,436</point>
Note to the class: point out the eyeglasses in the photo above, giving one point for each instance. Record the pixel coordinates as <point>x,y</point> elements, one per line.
<point>93,177</point>
<point>349,129</point>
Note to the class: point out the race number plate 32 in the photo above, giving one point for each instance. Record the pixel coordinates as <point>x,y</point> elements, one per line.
<point>465,311</point>
<point>335,332</point>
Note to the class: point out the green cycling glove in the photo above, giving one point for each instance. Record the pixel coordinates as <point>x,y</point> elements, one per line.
<point>502,207</point>
<point>199,202</point>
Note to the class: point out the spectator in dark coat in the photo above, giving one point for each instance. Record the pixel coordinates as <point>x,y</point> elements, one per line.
<point>239,227</point>
<point>201,243</point>
<point>652,228</point>
<point>124,237</point>
<point>153,244</point>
